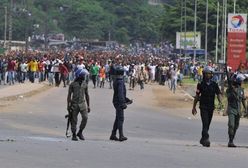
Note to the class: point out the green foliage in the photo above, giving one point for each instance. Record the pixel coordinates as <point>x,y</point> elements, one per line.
<point>121,20</point>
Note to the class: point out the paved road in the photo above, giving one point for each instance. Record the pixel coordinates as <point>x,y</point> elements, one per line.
<point>32,136</point>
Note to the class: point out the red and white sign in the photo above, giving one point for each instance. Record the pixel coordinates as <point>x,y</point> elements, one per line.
<point>237,28</point>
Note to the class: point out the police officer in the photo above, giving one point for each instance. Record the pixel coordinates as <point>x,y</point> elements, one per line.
<point>77,94</point>
<point>235,96</point>
<point>120,102</point>
<point>205,93</point>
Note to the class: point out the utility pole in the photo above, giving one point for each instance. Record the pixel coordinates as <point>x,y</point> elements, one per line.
<point>5,26</point>
<point>185,28</point>
<point>181,29</point>
<point>10,24</point>
<point>206,34</point>
<point>217,33</point>
<point>195,31</point>
<point>109,36</point>
<point>222,31</point>
<point>27,15</point>
<point>225,28</point>
<point>234,6</point>
<point>46,27</point>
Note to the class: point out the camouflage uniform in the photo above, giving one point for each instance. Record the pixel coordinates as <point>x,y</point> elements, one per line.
<point>78,104</point>
<point>235,97</point>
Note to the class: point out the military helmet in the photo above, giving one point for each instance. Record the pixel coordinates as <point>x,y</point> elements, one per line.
<point>119,70</point>
<point>80,72</point>
<point>238,78</point>
<point>208,69</point>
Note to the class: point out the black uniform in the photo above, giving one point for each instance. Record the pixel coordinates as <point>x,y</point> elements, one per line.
<point>119,102</point>
<point>207,91</point>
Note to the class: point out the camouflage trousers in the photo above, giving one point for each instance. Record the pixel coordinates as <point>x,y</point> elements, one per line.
<point>75,110</point>
<point>233,123</point>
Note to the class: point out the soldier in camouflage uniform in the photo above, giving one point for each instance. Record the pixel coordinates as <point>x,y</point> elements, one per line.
<point>77,94</point>
<point>235,96</point>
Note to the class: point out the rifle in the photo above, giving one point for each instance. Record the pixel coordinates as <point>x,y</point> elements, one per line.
<point>128,101</point>
<point>229,82</point>
<point>228,78</point>
<point>68,117</point>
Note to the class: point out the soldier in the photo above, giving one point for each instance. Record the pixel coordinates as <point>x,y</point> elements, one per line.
<point>205,93</point>
<point>120,103</point>
<point>235,96</point>
<point>77,94</point>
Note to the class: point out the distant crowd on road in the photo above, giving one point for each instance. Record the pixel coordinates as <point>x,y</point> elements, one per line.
<point>58,67</point>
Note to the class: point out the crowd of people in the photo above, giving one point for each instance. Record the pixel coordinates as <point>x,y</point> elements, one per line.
<point>58,67</point>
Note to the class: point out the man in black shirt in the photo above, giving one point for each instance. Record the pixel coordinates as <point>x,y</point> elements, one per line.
<point>205,93</point>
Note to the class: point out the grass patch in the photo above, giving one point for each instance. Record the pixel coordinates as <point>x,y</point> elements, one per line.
<point>189,81</point>
<point>245,85</point>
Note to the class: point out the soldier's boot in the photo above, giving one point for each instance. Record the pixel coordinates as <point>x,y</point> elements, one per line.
<point>80,135</point>
<point>205,142</point>
<point>122,137</point>
<point>74,137</point>
<point>113,136</point>
<point>246,114</point>
<point>230,143</point>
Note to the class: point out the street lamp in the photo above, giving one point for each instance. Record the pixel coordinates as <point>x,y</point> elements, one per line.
<point>223,32</point>
<point>234,6</point>
<point>46,28</point>
<point>195,31</point>
<point>27,39</point>
<point>185,28</point>
<point>5,26</point>
<point>225,28</point>
<point>206,33</point>
<point>10,24</point>
<point>181,29</point>
<point>217,32</point>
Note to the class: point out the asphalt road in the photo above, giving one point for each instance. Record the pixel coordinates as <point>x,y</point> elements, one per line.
<point>32,135</point>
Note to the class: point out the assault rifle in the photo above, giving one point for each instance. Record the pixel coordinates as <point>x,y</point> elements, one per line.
<point>228,78</point>
<point>68,117</point>
<point>128,101</point>
<point>229,82</point>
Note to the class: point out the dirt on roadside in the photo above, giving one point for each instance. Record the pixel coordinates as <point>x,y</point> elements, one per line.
<point>7,101</point>
<point>166,98</point>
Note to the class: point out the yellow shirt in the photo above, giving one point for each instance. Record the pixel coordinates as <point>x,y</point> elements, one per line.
<point>200,69</point>
<point>33,66</point>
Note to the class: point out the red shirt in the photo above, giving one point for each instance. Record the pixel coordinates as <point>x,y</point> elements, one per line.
<point>63,70</point>
<point>11,66</point>
<point>41,66</point>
